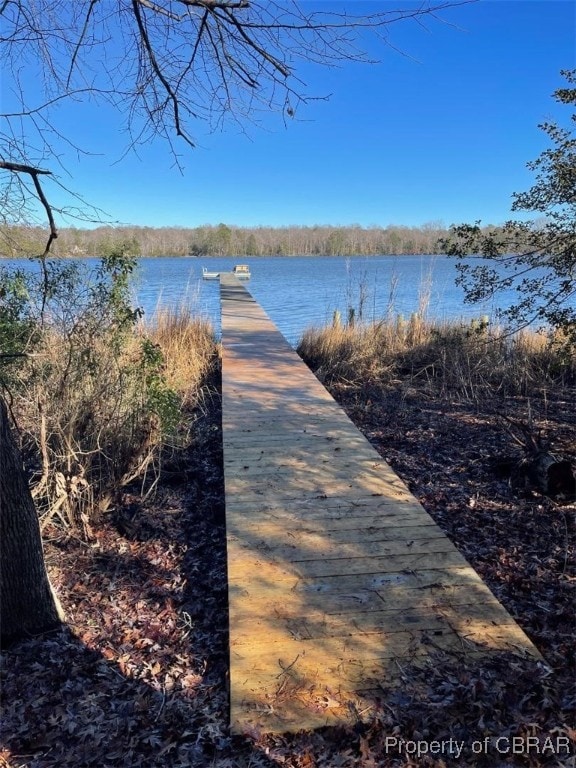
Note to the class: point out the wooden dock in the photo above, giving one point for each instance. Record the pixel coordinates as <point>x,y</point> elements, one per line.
<point>337,575</point>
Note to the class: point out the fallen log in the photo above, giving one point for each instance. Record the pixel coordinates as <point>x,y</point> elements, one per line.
<point>551,476</point>
<point>538,469</point>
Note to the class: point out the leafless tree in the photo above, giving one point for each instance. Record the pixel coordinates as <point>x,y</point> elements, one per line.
<point>166,66</point>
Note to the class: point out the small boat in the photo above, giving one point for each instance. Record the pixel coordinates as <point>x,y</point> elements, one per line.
<point>241,271</point>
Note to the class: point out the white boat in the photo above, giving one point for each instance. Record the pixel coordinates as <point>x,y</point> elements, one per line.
<point>241,271</point>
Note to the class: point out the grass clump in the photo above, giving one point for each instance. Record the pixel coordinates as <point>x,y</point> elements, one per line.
<point>188,349</point>
<point>472,360</point>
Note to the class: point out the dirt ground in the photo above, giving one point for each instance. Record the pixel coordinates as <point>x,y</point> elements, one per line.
<point>139,675</point>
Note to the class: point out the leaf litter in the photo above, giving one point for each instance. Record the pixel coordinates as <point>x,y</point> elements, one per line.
<point>139,676</point>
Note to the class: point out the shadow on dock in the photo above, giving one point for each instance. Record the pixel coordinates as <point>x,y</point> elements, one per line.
<point>338,577</point>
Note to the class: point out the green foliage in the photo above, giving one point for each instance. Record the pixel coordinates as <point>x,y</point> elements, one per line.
<point>535,259</point>
<point>336,244</point>
<point>161,400</point>
<point>92,402</point>
<point>112,290</point>
<point>17,330</point>
<point>252,248</point>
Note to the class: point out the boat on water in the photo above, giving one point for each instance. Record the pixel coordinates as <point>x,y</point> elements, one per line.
<point>241,271</point>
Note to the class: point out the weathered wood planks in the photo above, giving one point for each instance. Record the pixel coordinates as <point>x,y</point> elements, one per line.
<point>336,573</point>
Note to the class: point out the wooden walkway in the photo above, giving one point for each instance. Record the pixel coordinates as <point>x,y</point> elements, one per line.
<point>337,575</point>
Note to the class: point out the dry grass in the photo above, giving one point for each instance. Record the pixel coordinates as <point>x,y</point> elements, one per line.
<point>473,360</point>
<point>98,408</point>
<point>188,347</point>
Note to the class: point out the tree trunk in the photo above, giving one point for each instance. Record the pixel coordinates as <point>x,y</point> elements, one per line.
<point>27,603</point>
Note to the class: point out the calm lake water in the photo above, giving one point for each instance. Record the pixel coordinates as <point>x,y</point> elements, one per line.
<point>298,292</point>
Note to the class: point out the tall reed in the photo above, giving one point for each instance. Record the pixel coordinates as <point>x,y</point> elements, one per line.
<point>190,352</point>
<point>471,359</point>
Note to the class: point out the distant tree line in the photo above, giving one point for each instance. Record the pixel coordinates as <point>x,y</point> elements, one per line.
<point>225,240</point>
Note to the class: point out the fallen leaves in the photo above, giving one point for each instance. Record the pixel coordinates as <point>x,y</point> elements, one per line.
<point>140,676</point>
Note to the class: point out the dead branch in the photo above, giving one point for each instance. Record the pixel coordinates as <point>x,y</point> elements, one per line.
<point>34,173</point>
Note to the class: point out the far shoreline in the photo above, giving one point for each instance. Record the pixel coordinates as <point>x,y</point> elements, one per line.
<point>82,257</point>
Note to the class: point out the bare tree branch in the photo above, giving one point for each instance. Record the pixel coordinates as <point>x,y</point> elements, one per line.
<point>217,3</point>
<point>276,63</point>
<point>163,65</point>
<point>162,11</point>
<point>34,173</point>
<point>154,63</point>
<point>80,41</point>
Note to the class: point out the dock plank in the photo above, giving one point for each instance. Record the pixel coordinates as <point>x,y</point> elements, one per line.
<point>335,571</point>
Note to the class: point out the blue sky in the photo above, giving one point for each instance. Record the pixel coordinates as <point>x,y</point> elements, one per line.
<point>441,131</point>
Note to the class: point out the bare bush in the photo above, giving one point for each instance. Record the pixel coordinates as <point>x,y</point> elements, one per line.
<point>97,395</point>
